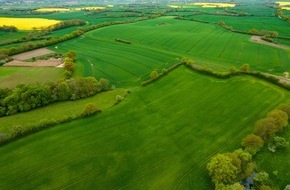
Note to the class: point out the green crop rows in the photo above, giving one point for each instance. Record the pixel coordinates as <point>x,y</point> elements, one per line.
<point>160,137</point>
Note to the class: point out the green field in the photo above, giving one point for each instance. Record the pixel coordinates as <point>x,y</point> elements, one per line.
<point>160,137</point>
<point>248,23</point>
<point>11,76</point>
<point>153,48</point>
<point>58,111</point>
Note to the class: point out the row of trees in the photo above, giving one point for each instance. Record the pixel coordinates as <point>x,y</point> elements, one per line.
<point>228,169</point>
<point>69,65</point>
<point>25,97</point>
<point>5,28</point>
<point>281,14</point>
<point>65,24</point>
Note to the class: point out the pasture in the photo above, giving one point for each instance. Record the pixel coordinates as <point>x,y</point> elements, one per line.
<point>27,23</point>
<point>58,111</point>
<point>160,43</point>
<point>12,76</point>
<point>160,137</point>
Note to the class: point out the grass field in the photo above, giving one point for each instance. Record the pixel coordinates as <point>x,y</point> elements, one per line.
<point>58,111</point>
<point>153,48</point>
<point>11,76</point>
<point>27,23</point>
<point>160,137</point>
<point>248,23</point>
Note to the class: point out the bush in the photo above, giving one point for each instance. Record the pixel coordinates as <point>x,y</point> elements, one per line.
<point>245,68</point>
<point>18,131</point>
<point>119,98</point>
<point>90,109</point>
<point>3,137</point>
<point>154,74</point>
<point>262,178</point>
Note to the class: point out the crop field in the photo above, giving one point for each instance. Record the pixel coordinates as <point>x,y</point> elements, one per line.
<point>151,48</point>
<point>11,76</point>
<point>155,137</point>
<point>52,10</point>
<point>248,23</point>
<point>27,23</point>
<point>139,147</point>
<point>207,5</point>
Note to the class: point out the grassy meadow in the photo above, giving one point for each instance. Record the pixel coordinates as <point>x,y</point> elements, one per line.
<point>11,76</point>
<point>58,111</point>
<point>153,48</point>
<point>164,142</point>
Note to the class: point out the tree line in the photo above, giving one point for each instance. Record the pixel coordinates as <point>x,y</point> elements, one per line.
<point>5,28</point>
<point>25,97</point>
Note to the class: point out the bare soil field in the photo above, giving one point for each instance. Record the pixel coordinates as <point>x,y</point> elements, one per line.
<point>259,40</point>
<point>52,62</point>
<point>31,54</point>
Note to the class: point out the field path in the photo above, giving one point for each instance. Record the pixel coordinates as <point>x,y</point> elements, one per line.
<point>31,54</point>
<point>259,40</point>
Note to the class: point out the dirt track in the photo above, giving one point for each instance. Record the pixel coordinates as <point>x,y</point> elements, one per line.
<point>259,40</point>
<point>31,54</point>
<point>52,62</point>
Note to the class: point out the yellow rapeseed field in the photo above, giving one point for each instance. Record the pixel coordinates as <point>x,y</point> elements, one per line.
<point>215,4</point>
<point>27,23</point>
<point>53,10</point>
<point>283,3</point>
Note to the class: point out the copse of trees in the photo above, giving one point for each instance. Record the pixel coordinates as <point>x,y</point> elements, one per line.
<point>5,28</point>
<point>230,168</point>
<point>25,97</point>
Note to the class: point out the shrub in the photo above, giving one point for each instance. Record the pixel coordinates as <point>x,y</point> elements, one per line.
<point>262,178</point>
<point>245,68</point>
<point>90,109</point>
<point>3,137</point>
<point>119,98</point>
<point>154,74</point>
<point>18,131</point>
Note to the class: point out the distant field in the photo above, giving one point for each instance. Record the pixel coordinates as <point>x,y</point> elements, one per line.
<point>160,137</point>
<point>90,8</point>
<point>248,23</point>
<point>11,76</point>
<point>207,5</point>
<point>152,48</point>
<point>53,10</point>
<point>27,23</point>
